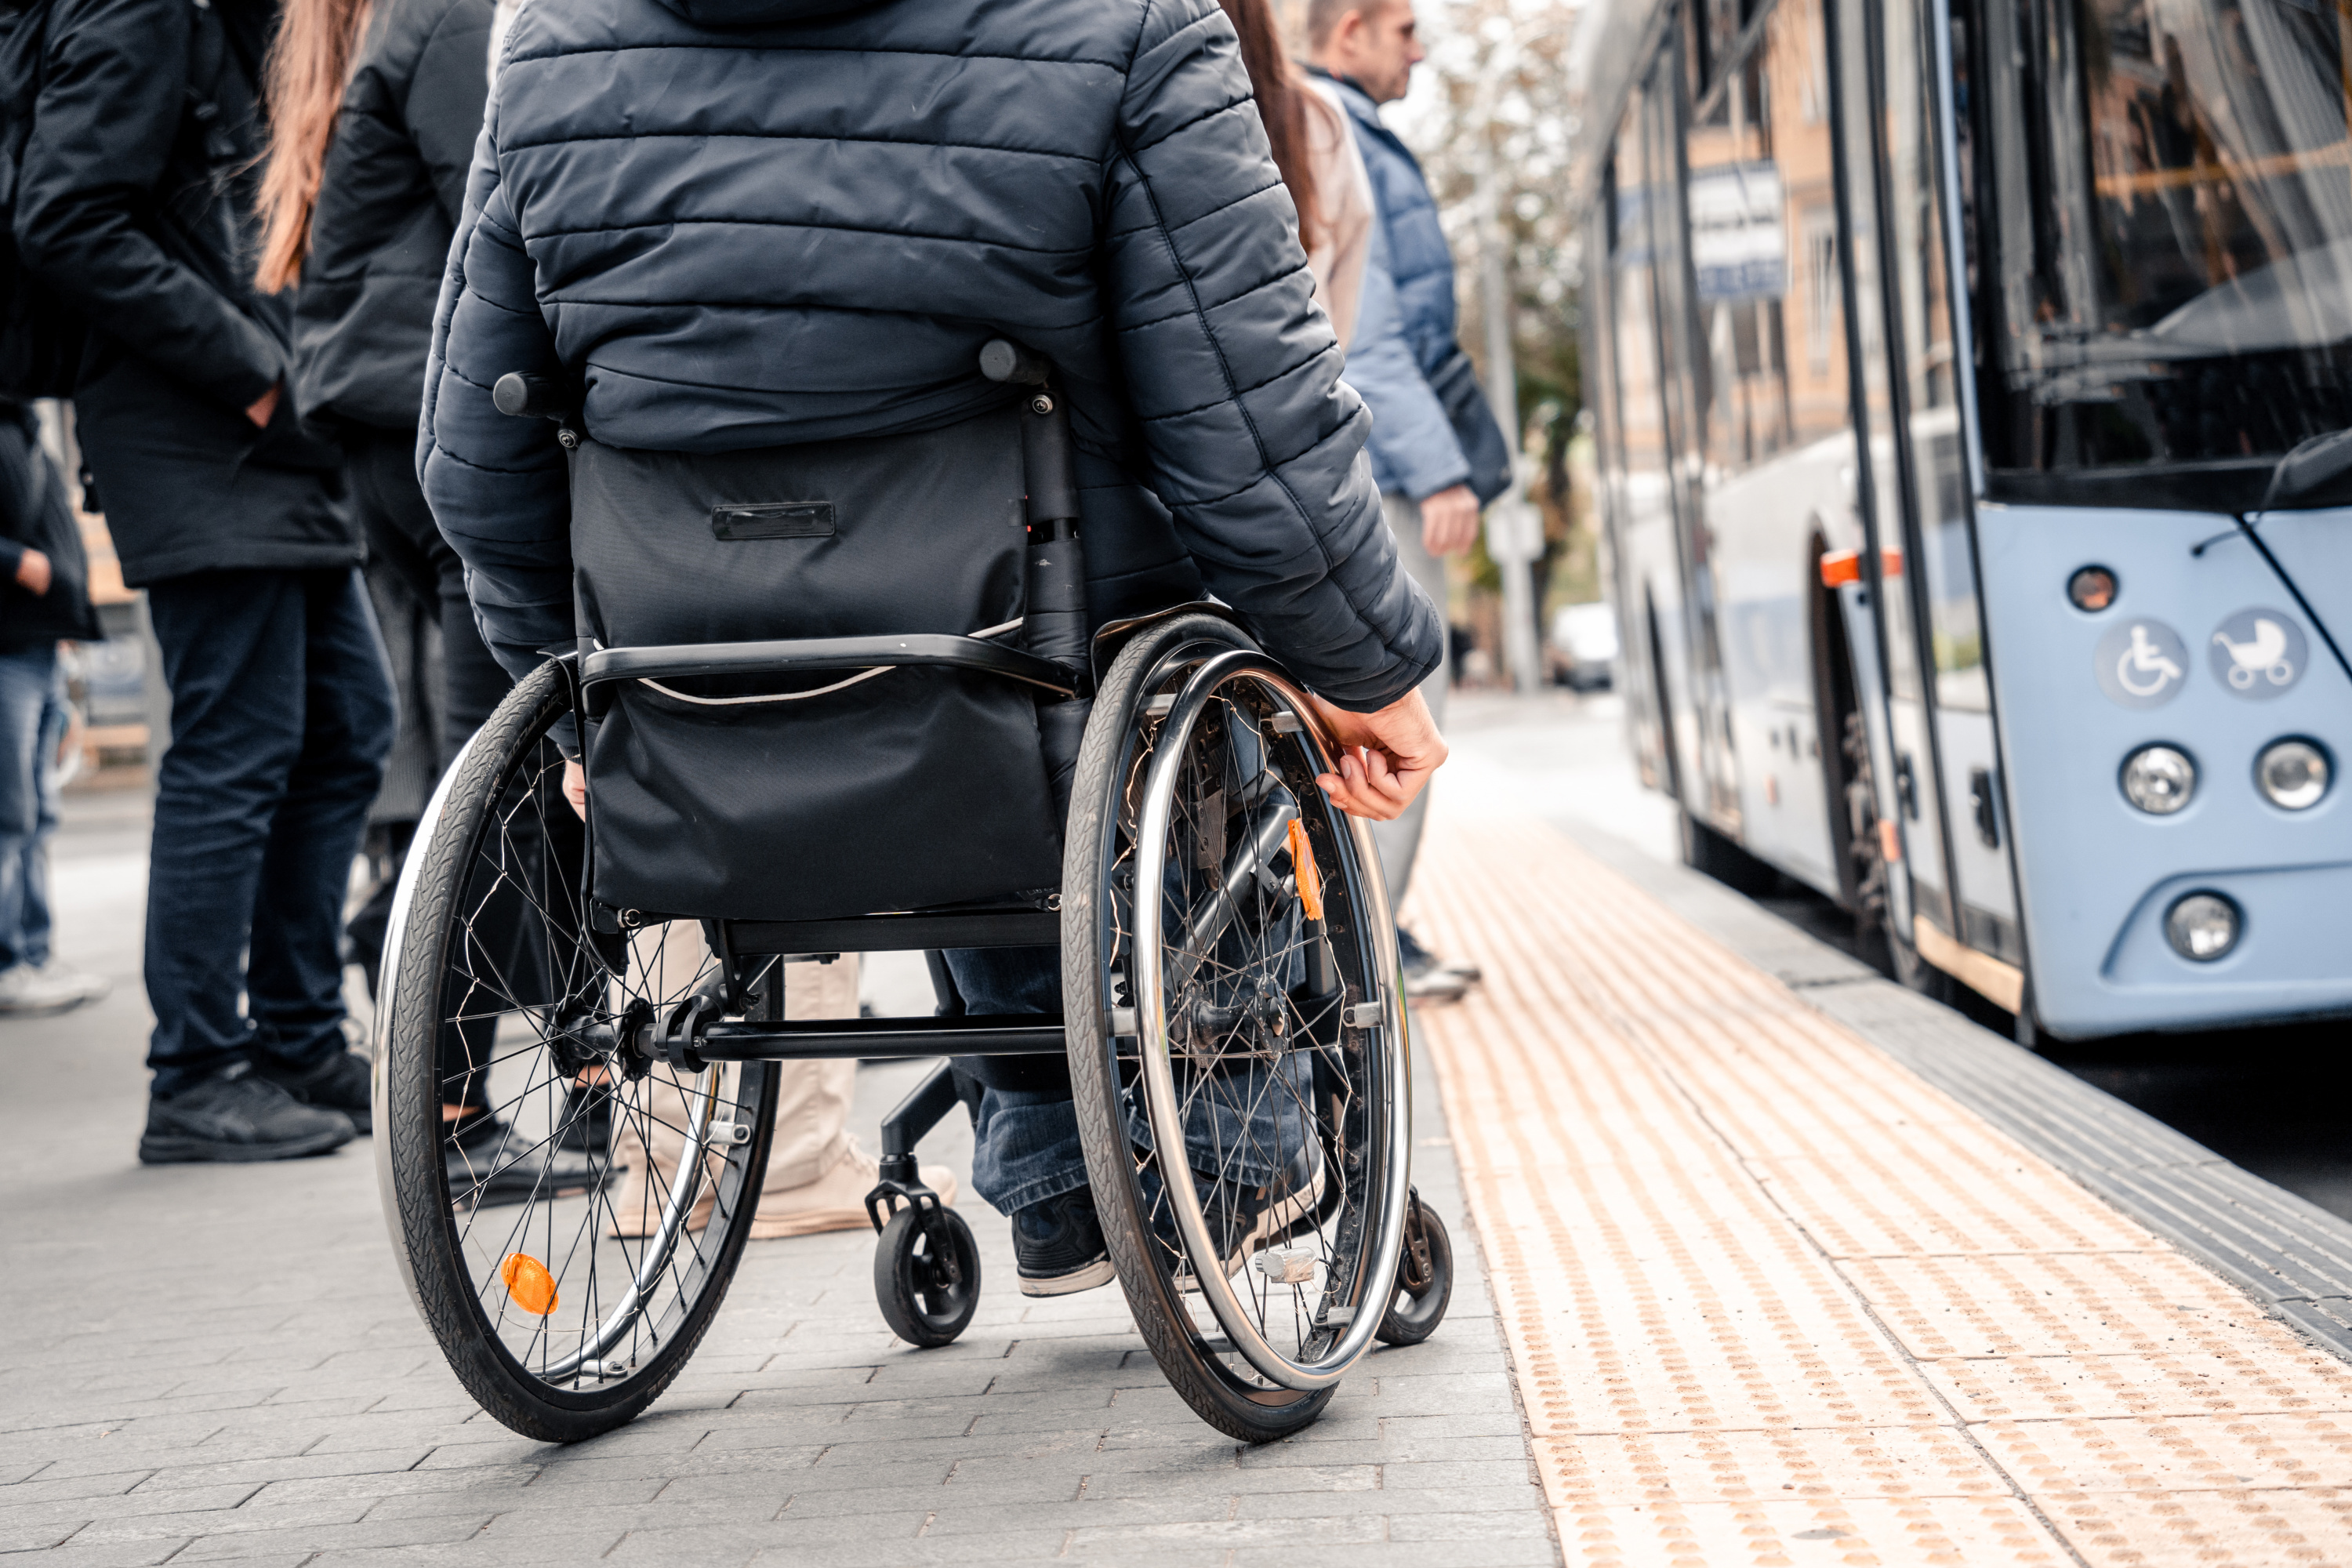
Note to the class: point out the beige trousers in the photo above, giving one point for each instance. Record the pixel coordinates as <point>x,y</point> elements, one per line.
<point>813,1107</point>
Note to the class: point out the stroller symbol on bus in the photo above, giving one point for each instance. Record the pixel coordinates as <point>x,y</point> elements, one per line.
<point>2141,664</point>
<point>2259,653</point>
<point>2144,670</point>
<point>2259,657</point>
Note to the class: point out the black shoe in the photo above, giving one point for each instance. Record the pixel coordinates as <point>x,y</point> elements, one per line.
<point>237,1116</point>
<point>1058,1247</point>
<point>489,1164</point>
<point>586,1121</point>
<point>342,1082</point>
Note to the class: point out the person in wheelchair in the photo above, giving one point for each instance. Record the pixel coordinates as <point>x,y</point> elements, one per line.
<point>829,299</point>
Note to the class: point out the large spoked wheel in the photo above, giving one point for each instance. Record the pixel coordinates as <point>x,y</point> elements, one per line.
<point>1237,1033</point>
<point>567,1215</point>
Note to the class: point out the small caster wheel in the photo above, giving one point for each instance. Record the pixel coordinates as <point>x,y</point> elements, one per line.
<point>926,1275</point>
<point>1424,1279</point>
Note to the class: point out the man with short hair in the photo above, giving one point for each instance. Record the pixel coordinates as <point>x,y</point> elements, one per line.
<point>1437,454</point>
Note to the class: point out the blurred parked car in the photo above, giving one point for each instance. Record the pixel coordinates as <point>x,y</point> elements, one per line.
<point>1583,647</point>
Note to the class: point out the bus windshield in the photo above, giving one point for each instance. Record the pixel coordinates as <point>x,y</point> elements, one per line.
<point>2172,228</point>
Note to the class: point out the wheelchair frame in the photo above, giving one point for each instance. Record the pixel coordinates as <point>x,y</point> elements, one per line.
<point>692,1032</point>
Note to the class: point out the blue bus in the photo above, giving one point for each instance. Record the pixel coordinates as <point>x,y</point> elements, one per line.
<point>1945,360</point>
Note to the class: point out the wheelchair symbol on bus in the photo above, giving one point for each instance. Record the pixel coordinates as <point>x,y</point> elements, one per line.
<point>2141,664</point>
<point>2144,670</point>
<point>2257,654</point>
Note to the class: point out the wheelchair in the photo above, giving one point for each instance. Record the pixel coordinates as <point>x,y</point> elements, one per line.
<point>577,1052</point>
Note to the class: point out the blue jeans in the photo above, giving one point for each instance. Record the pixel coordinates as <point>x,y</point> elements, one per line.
<point>1025,1146</point>
<point>281,717</point>
<point>32,722</point>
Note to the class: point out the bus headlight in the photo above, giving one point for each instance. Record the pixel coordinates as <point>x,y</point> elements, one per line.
<point>2202,927</point>
<point>2159,780</point>
<point>2292,775</point>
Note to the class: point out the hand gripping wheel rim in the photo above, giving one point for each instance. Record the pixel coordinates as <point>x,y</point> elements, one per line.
<point>1159,1091</point>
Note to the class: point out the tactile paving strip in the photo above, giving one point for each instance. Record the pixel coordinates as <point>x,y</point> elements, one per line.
<point>1774,1300</point>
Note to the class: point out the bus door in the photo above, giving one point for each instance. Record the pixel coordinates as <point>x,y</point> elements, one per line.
<point>1913,798</point>
<point>1928,400</point>
<point>1634,447</point>
<point>1687,369</point>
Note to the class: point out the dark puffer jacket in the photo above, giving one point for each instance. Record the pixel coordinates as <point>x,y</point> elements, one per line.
<point>135,204</point>
<point>389,202</point>
<point>753,222</point>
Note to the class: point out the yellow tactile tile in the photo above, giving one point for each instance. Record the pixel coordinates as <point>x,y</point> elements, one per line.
<point>1801,1462</point>
<point>2188,1452</point>
<point>1855,1533</point>
<point>2221,1381</point>
<point>2267,1529</point>
<point>2147,1302</point>
<point>1869,1206</point>
<point>1772,1300</point>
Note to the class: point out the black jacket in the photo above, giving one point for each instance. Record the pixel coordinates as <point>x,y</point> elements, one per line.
<point>394,184</point>
<point>739,224</point>
<point>36,515</point>
<point>136,205</point>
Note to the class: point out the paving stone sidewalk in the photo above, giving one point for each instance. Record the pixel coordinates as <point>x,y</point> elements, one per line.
<point>218,1364</point>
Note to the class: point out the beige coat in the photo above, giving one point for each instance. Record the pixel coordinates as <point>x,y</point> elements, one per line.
<point>1344,193</point>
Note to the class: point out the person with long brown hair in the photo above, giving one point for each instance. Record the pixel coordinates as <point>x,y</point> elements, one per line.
<point>1316,155</point>
<point>374,107</point>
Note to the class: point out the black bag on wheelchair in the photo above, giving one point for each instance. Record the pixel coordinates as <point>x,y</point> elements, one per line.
<point>828,794</point>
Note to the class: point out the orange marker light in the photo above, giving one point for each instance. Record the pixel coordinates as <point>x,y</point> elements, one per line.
<point>1310,875</point>
<point>1840,567</point>
<point>528,1284</point>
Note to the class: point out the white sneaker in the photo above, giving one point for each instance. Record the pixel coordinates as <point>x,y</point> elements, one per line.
<point>29,993</point>
<point>93,987</point>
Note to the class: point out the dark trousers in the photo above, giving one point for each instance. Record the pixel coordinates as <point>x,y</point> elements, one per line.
<point>401,535</point>
<point>404,542</point>
<point>281,715</point>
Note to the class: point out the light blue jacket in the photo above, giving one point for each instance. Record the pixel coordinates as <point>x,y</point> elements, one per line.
<point>1404,319</point>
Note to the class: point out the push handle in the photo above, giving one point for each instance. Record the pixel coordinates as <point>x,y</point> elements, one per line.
<point>1054,623</point>
<point>1004,360</point>
<point>529,396</point>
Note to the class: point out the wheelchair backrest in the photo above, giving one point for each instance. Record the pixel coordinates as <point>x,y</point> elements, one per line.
<point>827,794</point>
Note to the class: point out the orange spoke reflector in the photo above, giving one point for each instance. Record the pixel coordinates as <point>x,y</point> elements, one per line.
<point>528,1284</point>
<point>1310,875</point>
